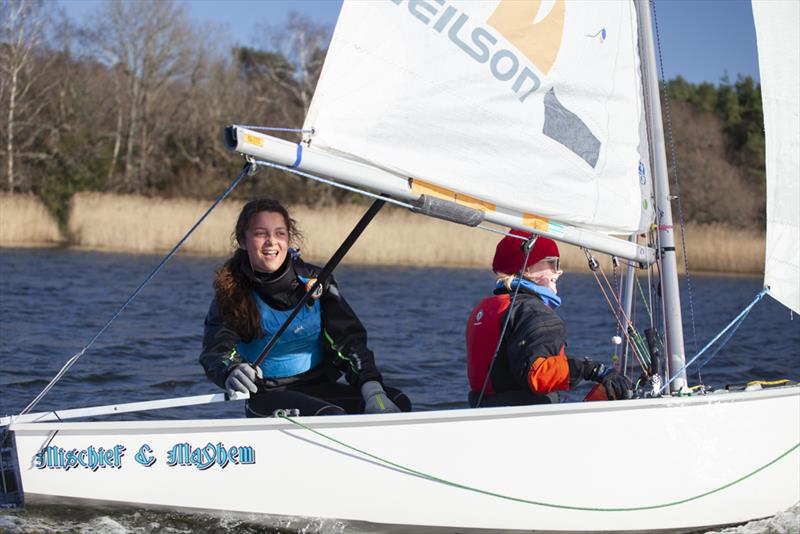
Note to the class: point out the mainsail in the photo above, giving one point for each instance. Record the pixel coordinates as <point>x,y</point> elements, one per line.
<point>529,107</point>
<point>777,26</point>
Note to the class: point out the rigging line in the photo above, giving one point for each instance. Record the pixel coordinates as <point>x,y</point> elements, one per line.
<point>67,366</point>
<point>636,345</point>
<point>722,344</point>
<point>529,246</point>
<point>352,189</point>
<point>617,318</point>
<point>724,341</point>
<point>674,158</point>
<point>644,300</point>
<point>631,343</point>
<point>474,489</point>
<point>738,319</point>
<point>274,129</point>
<point>618,286</point>
<point>654,291</point>
<point>331,183</point>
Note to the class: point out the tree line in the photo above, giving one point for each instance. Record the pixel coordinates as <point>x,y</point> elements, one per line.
<point>133,99</point>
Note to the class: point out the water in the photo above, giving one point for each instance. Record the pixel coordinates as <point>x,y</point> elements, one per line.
<point>53,301</point>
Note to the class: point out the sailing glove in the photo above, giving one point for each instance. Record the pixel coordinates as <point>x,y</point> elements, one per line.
<point>616,385</point>
<point>375,399</point>
<point>243,379</point>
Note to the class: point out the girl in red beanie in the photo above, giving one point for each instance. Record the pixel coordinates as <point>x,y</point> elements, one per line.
<point>531,364</point>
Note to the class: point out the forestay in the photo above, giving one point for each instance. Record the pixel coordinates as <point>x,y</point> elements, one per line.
<point>531,107</point>
<point>779,62</point>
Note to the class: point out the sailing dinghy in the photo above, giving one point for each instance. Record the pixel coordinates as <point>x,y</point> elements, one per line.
<point>535,115</point>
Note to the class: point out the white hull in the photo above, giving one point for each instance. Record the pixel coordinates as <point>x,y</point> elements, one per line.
<point>567,454</point>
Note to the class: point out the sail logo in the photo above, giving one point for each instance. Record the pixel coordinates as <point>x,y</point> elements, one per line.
<point>538,42</point>
<point>601,34</point>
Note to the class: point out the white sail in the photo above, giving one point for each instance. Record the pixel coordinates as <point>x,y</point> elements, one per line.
<point>533,107</point>
<point>777,24</point>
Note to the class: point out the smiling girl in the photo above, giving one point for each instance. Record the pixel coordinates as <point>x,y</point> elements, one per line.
<point>254,292</point>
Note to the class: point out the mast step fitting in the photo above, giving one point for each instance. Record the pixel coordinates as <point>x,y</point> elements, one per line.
<point>447,210</point>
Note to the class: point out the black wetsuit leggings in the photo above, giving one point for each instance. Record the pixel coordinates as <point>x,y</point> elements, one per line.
<point>321,398</point>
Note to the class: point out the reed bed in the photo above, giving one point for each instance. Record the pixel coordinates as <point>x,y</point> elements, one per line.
<point>129,223</point>
<point>125,223</point>
<point>25,222</point>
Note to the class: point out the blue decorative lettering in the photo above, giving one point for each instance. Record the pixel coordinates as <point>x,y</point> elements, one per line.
<point>54,457</point>
<point>143,456</point>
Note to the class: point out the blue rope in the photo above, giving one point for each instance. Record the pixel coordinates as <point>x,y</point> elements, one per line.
<point>735,323</point>
<point>155,271</point>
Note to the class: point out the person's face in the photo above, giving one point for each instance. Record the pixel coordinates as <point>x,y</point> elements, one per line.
<point>545,273</point>
<point>266,241</point>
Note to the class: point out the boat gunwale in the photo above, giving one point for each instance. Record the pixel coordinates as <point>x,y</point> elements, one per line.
<point>401,419</point>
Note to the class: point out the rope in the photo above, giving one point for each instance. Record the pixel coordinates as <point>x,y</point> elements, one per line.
<point>619,316</point>
<point>67,366</point>
<point>674,158</point>
<point>273,129</point>
<point>529,246</point>
<point>450,483</point>
<point>736,322</point>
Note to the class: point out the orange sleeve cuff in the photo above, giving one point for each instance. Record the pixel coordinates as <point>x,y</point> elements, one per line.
<point>549,373</point>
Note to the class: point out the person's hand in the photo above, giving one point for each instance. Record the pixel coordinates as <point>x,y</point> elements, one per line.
<point>618,387</point>
<point>243,379</point>
<point>375,399</point>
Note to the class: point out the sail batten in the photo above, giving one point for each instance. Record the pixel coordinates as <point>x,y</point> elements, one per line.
<point>539,116</point>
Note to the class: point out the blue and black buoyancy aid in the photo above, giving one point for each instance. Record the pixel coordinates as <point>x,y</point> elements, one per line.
<point>299,349</point>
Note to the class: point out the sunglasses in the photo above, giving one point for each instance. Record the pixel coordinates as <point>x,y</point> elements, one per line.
<point>554,262</point>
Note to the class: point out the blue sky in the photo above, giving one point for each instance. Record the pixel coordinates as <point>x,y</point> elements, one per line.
<point>702,40</point>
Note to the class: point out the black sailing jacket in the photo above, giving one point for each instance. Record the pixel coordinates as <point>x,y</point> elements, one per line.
<point>345,338</point>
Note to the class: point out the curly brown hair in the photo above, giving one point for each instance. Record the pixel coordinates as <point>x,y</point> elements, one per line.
<point>232,287</point>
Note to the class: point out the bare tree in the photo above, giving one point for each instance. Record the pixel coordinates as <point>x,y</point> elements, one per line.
<point>300,52</point>
<point>150,47</point>
<point>24,24</point>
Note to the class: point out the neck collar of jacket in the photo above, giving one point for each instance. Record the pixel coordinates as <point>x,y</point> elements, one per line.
<point>544,293</point>
<point>278,289</point>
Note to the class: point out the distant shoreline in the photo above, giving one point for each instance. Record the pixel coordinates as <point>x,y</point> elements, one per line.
<point>134,224</point>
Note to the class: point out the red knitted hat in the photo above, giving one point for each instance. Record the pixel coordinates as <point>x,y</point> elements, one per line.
<point>508,256</point>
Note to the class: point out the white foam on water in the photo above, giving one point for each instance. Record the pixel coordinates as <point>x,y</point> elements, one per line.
<point>787,522</point>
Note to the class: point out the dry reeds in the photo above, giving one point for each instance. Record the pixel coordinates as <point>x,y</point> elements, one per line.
<point>129,223</point>
<point>717,248</point>
<point>396,236</point>
<point>25,222</point>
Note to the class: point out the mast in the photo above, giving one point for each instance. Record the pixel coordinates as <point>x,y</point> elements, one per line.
<point>673,325</point>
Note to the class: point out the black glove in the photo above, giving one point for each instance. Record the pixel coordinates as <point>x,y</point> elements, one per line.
<point>616,385</point>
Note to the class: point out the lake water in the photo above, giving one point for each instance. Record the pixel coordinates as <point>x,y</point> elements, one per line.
<point>53,301</point>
